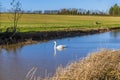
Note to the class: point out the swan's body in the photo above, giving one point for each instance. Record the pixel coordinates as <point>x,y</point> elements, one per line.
<point>59,47</point>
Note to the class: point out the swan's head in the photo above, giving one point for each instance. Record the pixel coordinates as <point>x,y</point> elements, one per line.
<point>55,42</point>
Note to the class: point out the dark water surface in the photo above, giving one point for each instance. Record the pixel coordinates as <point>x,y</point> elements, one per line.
<point>16,62</point>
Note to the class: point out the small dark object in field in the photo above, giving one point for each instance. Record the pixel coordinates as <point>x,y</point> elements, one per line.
<point>97,23</point>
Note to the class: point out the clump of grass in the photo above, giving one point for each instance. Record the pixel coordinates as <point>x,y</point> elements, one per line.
<point>30,74</point>
<point>103,65</point>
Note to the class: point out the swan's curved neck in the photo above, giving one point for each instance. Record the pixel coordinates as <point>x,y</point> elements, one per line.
<point>55,44</point>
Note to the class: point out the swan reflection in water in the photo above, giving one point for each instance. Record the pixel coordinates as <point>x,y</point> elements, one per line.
<point>58,47</point>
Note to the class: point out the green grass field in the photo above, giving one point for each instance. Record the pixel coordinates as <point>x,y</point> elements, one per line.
<point>37,22</point>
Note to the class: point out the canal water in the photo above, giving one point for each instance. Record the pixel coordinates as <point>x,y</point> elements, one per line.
<point>16,61</point>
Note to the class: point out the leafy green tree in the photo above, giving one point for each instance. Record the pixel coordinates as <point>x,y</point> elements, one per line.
<point>111,11</point>
<point>88,12</point>
<point>114,10</point>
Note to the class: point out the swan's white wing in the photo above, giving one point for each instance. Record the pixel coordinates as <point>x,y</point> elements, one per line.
<point>60,47</point>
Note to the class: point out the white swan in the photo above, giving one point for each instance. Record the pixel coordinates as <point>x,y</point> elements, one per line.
<point>59,47</point>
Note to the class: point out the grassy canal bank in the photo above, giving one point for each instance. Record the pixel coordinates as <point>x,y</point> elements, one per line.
<point>38,22</point>
<point>31,37</point>
<point>38,27</point>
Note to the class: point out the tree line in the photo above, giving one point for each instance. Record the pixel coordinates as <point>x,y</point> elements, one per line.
<point>74,11</point>
<point>71,11</point>
<point>113,11</point>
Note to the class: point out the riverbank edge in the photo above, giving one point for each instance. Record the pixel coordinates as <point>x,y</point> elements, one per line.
<point>35,37</point>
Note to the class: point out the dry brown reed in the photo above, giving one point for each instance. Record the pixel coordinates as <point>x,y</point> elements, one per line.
<point>102,65</point>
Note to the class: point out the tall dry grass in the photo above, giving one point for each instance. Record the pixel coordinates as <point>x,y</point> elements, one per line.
<point>103,65</point>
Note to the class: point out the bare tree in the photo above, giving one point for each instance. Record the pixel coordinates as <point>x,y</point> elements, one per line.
<point>16,13</point>
<point>0,14</point>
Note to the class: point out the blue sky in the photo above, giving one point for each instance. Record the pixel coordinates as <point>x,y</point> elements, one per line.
<point>102,5</point>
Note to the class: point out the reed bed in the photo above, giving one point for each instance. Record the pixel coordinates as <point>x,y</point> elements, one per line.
<point>101,65</point>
